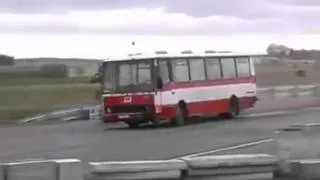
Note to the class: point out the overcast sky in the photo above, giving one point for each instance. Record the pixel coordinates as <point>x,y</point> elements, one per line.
<point>272,19</point>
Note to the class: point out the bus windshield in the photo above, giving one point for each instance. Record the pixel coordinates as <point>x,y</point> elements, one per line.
<point>128,76</point>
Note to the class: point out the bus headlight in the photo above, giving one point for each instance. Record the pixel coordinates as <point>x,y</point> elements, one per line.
<point>147,109</point>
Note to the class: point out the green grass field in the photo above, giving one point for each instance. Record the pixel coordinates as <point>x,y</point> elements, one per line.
<point>25,97</point>
<point>13,81</point>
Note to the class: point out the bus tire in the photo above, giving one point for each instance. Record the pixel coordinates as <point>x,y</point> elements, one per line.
<point>133,125</point>
<point>234,108</point>
<point>181,114</point>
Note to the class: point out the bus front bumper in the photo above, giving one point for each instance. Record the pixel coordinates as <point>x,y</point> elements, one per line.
<point>126,117</point>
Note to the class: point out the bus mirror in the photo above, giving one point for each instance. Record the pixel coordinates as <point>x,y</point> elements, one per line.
<point>159,83</point>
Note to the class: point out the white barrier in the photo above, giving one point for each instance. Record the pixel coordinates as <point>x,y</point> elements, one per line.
<point>65,115</point>
<point>30,170</point>
<point>228,166</point>
<point>137,170</point>
<point>290,91</point>
<point>92,112</point>
<point>297,142</point>
<point>67,169</point>
<point>285,91</point>
<point>2,174</point>
<point>305,169</point>
<point>308,90</point>
<point>224,167</point>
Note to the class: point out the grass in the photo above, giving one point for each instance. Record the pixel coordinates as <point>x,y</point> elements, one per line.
<point>25,97</point>
<point>276,75</point>
<point>13,81</point>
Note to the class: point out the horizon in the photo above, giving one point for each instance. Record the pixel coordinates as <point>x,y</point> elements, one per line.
<point>89,29</point>
<point>101,47</point>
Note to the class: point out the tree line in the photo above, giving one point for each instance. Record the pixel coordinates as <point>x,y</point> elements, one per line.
<point>282,51</point>
<point>45,71</point>
<point>6,60</point>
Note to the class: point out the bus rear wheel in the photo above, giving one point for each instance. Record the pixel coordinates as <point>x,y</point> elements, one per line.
<point>181,114</point>
<point>233,110</point>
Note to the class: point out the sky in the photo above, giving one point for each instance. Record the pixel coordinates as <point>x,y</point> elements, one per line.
<point>101,28</point>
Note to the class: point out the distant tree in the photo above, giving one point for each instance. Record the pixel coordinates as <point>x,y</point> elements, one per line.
<point>305,54</point>
<point>97,77</point>
<point>80,71</point>
<point>6,60</point>
<point>278,50</point>
<point>54,71</point>
<point>281,51</point>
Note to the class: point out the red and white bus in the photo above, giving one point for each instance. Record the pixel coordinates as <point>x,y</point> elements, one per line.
<point>163,87</point>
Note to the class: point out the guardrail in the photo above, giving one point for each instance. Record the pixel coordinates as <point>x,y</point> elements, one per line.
<point>290,91</point>
<point>237,166</point>
<point>170,169</point>
<point>60,169</point>
<point>92,112</point>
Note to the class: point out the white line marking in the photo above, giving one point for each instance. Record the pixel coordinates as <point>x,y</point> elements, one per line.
<point>28,160</point>
<point>254,142</point>
<point>229,148</point>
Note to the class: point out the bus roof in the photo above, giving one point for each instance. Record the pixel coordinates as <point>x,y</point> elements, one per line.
<point>182,54</point>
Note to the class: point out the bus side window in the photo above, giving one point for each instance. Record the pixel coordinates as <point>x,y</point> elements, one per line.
<point>213,68</point>
<point>164,71</point>
<point>144,72</point>
<point>127,74</point>
<point>180,70</point>
<point>197,70</point>
<point>228,67</point>
<point>243,66</point>
<point>109,76</point>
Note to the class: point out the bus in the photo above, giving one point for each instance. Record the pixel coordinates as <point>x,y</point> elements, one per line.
<point>164,87</point>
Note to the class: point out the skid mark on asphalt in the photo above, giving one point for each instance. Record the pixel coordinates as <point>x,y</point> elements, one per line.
<point>277,113</point>
<point>199,121</point>
<point>234,147</point>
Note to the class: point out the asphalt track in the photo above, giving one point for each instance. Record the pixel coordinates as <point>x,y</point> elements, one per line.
<point>94,141</point>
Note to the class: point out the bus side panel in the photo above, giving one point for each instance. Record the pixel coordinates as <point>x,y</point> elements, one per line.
<point>210,107</point>
<point>210,97</point>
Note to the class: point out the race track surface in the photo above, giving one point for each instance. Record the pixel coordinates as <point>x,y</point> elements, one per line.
<point>93,141</point>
